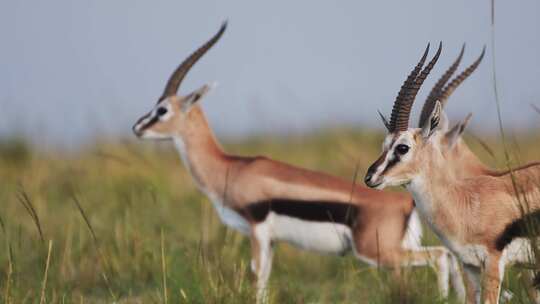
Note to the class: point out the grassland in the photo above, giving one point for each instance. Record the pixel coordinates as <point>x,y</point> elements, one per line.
<point>122,222</point>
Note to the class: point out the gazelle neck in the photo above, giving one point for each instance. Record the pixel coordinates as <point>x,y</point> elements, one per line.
<point>470,164</point>
<point>201,153</point>
<point>432,180</point>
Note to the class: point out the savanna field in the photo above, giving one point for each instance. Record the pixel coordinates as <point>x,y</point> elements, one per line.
<point>121,221</point>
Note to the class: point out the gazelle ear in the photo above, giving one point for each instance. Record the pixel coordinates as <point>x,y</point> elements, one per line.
<point>455,133</point>
<point>195,96</point>
<point>434,121</point>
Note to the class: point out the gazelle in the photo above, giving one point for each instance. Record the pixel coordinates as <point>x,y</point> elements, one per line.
<point>272,201</point>
<point>462,161</point>
<point>480,218</point>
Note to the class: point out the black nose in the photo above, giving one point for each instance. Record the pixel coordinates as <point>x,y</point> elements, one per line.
<point>367,179</point>
<point>369,174</point>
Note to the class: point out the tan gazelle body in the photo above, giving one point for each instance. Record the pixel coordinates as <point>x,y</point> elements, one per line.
<point>271,201</point>
<point>478,214</point>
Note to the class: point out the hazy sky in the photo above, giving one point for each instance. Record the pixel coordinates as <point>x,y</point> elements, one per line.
<point>73,69</point>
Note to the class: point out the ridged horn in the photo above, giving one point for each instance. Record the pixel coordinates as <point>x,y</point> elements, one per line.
<point>403,105</point>
<point>437,89</point>
<point>449,89</point>
<point>178,75</point>
<point>399,108</point>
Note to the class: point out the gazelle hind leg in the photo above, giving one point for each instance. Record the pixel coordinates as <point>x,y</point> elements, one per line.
<point>434,256</point>
<point>437,257</point>
<point>261,263</point>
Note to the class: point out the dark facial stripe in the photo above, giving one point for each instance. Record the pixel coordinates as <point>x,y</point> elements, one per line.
<point>526,226</point>
<point>391,163</point>
<point>373,168</point>
<point>316,211</point>
<point>152,121</point>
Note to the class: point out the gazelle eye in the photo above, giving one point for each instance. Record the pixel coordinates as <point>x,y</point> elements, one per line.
<point>402,149</point>
<point>161,111</point>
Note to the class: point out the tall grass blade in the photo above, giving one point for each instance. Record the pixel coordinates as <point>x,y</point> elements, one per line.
<point>44,282</point>
<point>164,269</point>
<point>24,199</point>
<point>101,256</point>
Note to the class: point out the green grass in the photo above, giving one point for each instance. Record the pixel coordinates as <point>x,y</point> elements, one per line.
<point>123,221</point>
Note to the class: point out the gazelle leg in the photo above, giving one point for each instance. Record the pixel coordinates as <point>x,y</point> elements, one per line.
<point>261,263</point>
<point>435,256</point>
<point>492,278</point>
<point>472,283</point>
<point>456,278</point>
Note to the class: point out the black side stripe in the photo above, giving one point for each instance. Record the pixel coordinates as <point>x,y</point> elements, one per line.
<point>527,226</point>
<point>316,211</point>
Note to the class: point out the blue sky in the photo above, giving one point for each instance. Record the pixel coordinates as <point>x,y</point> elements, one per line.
<point>70,70</point>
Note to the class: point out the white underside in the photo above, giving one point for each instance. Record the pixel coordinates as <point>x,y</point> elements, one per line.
<point>322,237</point>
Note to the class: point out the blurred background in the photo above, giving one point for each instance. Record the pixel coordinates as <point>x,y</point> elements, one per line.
<point>72,70</point>
<point>89,214</point>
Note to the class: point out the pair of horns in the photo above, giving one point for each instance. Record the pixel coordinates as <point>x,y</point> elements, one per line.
<point>399,120</point>
<point>181,71</point>
<point>441,92</point>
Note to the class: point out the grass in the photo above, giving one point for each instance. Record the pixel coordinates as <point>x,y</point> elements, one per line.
<point>122,222</point>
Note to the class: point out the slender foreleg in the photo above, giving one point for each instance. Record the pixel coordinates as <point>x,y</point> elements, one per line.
<point>472,283</point>
<point>261,263</point>
<point>492,278</point>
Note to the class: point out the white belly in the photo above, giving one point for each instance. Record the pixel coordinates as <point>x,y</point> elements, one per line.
<point>322,237</point>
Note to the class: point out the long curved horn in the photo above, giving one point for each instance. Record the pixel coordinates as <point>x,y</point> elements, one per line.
<point>449,89</point>
<point>400,116</point>
<point>397,116</point>
<point>176,78</point>
<point>437,89</point>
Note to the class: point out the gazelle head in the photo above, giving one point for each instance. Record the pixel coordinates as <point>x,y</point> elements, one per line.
<point>170,116</point>
<point>403,146</point>
<point>406,151</point>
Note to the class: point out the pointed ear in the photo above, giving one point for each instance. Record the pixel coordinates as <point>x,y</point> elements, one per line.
<point>455,133</point>
<point>433,122</point>
<point>195,96</point>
